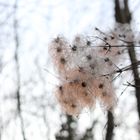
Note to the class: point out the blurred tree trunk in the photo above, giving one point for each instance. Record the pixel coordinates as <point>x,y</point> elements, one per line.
<point>67,131</point>
<point>89,135</point>
<point>16,57</point>
<point>124,16</point>
<point>110,126</point>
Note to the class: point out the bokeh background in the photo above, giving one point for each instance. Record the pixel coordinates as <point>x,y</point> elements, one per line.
<point>28,107</point>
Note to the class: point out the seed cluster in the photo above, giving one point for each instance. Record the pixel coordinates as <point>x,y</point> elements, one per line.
<point>82,68</point>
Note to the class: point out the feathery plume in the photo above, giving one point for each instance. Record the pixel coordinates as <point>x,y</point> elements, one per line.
<point>84,67</point>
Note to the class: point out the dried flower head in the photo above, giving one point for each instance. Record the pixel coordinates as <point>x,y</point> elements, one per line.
<point>59,50</point>
<point>84,67</point>
<point>78,88</point>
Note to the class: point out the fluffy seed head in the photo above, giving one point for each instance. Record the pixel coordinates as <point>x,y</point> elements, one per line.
<point>82,66</point>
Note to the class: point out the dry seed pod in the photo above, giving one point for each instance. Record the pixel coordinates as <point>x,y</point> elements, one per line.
<point>105,92</point>
<point>80,41</point>
<point>77,89</point>
<point>79,49</point>
<point>59,50</point>
<point>82,84</point>
<point>82,68</point>
<point>124,32</point>
<point>67,98</point>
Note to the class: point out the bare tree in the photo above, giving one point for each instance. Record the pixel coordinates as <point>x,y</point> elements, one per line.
<point>124,16</point>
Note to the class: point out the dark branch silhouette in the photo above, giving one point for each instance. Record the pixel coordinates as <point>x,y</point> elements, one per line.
<point>18,95</point>
<point>125,16</point>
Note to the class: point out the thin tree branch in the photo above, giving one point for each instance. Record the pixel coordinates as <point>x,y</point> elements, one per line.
<point>18,95</point>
